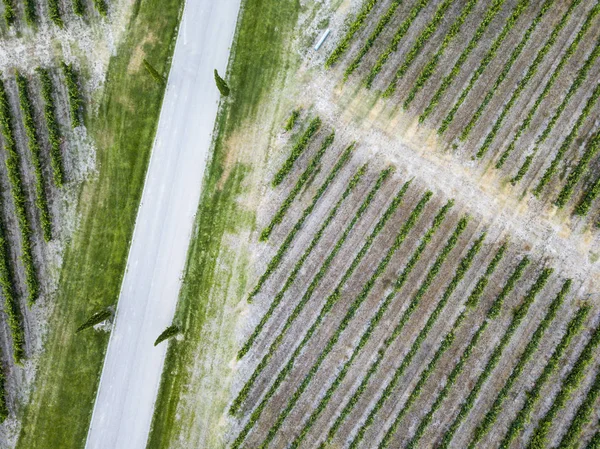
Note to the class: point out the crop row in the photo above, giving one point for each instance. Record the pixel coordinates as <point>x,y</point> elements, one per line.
<point>74,92</point>
<point>466,354</point>
<point>400,33</point>
<point>349,316</point>
<point>518,10</point>
<point>300,263</point>
<point>586,202</point>
<point>54,134</point>
<point>567,141</point>
<point>297,150</point>
<point>431,65</point>
<point>329,303</point>
<point>304,177</point>
<point>582,416</point>
<point>9,11</point>
<point>54,13</point>
<point>519,315</point>
<point>12,162</point>
<point>385,19</point>
<point>407,359</point>
<point>490,417</point>
<point>101,7</point>
<point>292,119</point>
<point>316,280</point>
<point>490,14</point>
<point>531,72</point>
<point>422,39</point>
<point>550,83</point>
<point>356,25</point>
<point>11,303</point>
<point>516,52</point>
<point>570,383</point>
<point>594,442</point>
<point>578,171</point>
<point>533,395</point>
<point>30,13</point>
<point>443,347</point>
<point>34,148</point>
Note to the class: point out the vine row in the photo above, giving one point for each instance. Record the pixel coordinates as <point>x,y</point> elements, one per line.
<point>74,91</point>
<point>586,202</point>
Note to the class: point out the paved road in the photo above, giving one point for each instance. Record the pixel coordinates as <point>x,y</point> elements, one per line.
<point>133,367</point>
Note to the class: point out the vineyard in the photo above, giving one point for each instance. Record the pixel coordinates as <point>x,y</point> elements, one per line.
<point>33,14</point>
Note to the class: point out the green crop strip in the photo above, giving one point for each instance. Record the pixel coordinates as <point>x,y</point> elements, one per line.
<point>513,57</point>
<point>582,416</point>
<point>407,359</point>
<point>54,13</point>
<point>356,25</point>
<point>382,309</point>
<point>562,150</point>
<point>300,263</point>
<point>352,312</point>
<point>443,347</point>
<point>431,65</point>
<point>9,17</point>
<point>383,22</point>
<point>274,263</point>
<point>302,180</point>
<point>297,150</point>
<point>11,302</point>
<point>78,7</point>
<point>578,171</point>
<point>13,163</point>
<point>74,91</point>
<point>569,385</point>
<point>400,33</point>
<point>518,10</point>
<point>466,354</point>
<point>420,43</point>
<point>492,415</point>
<point>34,148</point>
<point>30,12</point>
<point>550,83</point>
<point>519,315</point>
<point>490,14</point>
<point>54,134</point>
<point>523,82</point>
<point>329,303</point>
<point>586,202</point>
<point>315,282</point>
<point>101,7</point>
<point>532,396</point>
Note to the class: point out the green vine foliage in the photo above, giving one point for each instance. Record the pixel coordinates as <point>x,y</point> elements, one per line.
<point>74,91</point>
<point>586,202</point>
<point>55,14</point>
<point>79,7</point>
<point>101,7</point>
<point>291,121</point>
<point>10,13</point>
<point>30,13</point>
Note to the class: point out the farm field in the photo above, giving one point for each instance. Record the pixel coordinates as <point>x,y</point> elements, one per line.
<point>397,243</point>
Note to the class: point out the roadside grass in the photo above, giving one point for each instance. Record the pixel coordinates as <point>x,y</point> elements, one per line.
<point>257,61</point>
<point>68,374</point>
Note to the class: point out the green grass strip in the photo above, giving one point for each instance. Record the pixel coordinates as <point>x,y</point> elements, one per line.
<point>571,382</point>
<point>572,437</point>
<point>383,22</point>
<point>317,237</point>
<point>13,163</point>
<point>422,39</point>
<point>297,150</point>
<point>550,83</point>
<point>33,143</point>
<point>11,302</point>
<point>315,282</point>
<point>562,150</point>
<point>382,309</point>
<point>356,25</point>
<point>514,56</point>
<point>490,14</point>
<point>398,36</point>
<point>519,315</point>
<point>30,13</point>
<point>329,303</point>
<point>54,13</point>
<point>302,180</point>
<point>10,15</point>
<point>492,415</point>
<point>446,342</point>
<point>579,170</point>
<point>74,91</point>
<point>586,202</point>
<point>532,396</point>
<point>524,81</point>
<point>518,10</point>
<point>358,301</point>
<point>405,317</point>
<point>431,65</point>
<point>54,134</point>
<point>466,354</point>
